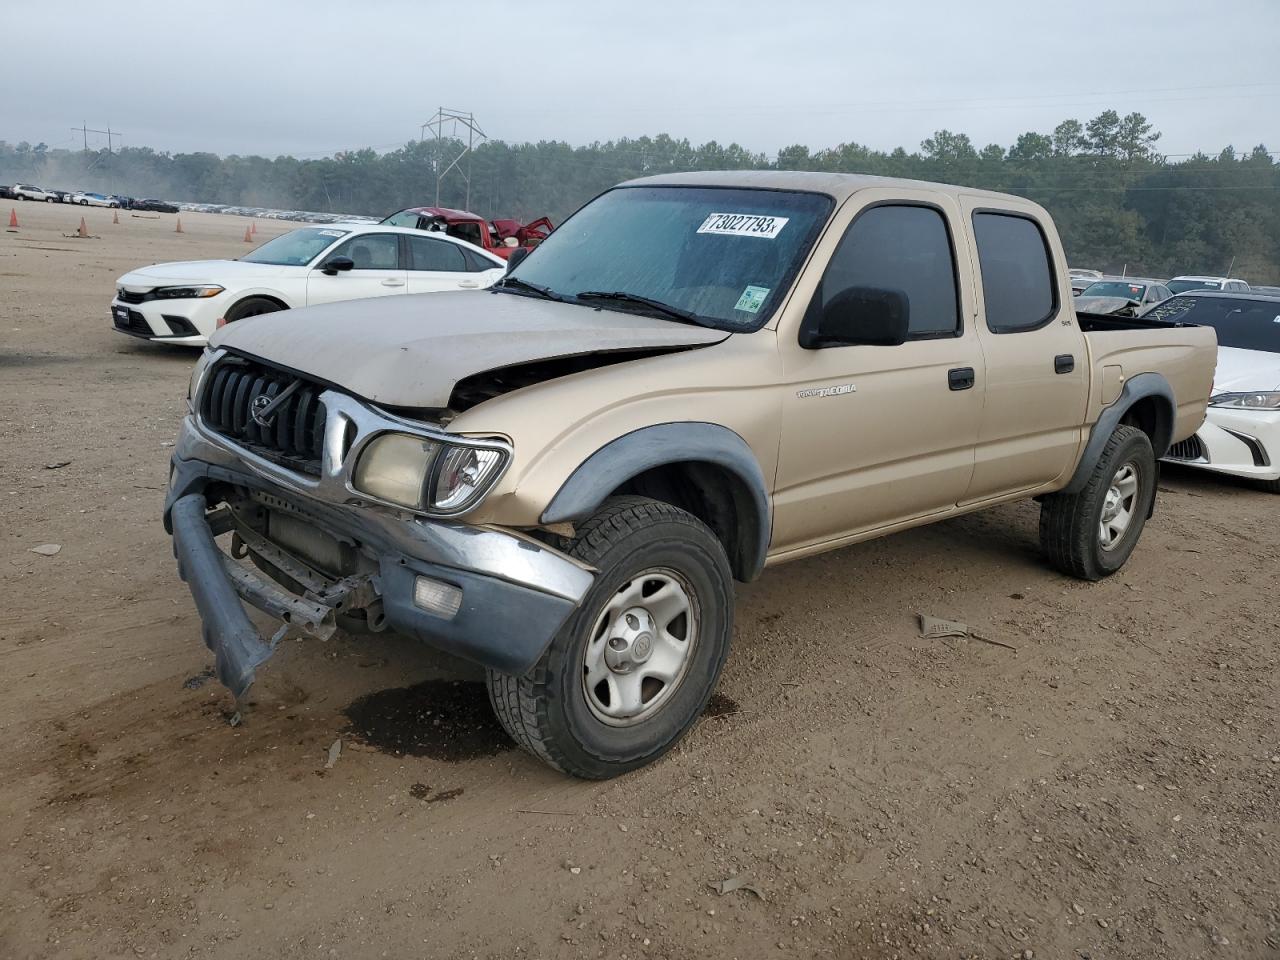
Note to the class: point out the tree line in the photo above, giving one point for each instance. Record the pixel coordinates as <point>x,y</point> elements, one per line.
<point>1118,202</point>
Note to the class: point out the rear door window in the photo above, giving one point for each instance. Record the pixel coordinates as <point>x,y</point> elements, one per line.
<point>426,253</point>
<point>1017,274</point>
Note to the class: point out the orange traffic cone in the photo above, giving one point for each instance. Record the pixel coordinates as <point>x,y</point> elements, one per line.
<point>83,232</point>
<point>115,216</point>
<point>178,228</point>
<point>13,219</point>
<point>247,238</point>
<point>253,227</point>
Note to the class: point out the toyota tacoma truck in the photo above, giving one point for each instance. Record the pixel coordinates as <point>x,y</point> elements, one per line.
<point>694,378</point>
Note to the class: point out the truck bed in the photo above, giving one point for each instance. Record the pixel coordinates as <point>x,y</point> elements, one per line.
<point>1121,348</point>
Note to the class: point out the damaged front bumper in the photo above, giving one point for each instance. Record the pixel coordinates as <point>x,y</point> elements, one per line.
<point>507,594</point>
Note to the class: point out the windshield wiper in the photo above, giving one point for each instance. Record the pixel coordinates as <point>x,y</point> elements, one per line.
<point>634,299</point>
<point>515,283</point>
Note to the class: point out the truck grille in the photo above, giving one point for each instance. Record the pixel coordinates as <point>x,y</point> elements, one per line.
<point>1191,448</point>
<point>294,432</point>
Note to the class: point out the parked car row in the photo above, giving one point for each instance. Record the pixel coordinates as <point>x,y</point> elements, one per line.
<point>1127,296</point>
<point>84,198</point>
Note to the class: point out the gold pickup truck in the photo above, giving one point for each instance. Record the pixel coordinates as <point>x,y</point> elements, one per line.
<point>694,377</point>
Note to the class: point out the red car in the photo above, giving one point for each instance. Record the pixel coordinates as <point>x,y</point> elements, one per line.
<point>499,237</point>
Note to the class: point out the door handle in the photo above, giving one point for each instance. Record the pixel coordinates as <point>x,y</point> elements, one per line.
<point>960,378</point>
<point>1064,363</point>
<point>392,283</point>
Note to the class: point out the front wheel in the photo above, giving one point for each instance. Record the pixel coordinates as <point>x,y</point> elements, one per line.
<point>252,307</point>
<point>633,668</point>
<point>1090,534</point>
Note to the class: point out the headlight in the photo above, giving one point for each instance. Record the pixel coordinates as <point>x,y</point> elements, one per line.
<point>186,293</point>
<point>197,374</point>
<point>1267,400</point>
<point>423,474</point>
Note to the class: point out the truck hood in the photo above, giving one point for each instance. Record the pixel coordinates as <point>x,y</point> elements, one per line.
<point>1243,371</point>
<point>410,351</point>
<point>198,271</point>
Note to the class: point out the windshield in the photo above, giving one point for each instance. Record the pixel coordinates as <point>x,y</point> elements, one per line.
<point>1115,288</point>
<point>1241,323</point>
<point>1182,286</point>
<point>405,218</point>
<point>296,248</point>
<point>727,256</point>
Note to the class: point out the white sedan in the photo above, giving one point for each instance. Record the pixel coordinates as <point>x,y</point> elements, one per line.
<point>1241,431</point>
<point>185,302</point>
<point>93,200</point>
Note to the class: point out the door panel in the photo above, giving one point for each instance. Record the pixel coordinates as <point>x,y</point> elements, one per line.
<point>377,271</point>
<point>1035,405</point>
<point>875,435</point>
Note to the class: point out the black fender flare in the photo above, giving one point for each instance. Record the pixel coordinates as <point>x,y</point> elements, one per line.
<point>1138,387</point>
<point>632,454</point>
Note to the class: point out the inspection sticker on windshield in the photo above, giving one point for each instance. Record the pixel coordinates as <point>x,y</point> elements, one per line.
<point>752,299</point>
<point>743,225</point>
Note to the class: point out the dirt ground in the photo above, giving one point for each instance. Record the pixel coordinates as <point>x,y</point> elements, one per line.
<point>1109,789</point>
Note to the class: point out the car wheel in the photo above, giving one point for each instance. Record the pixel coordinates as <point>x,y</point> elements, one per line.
<point>1091,534</point>
<point>634,666</point>
<point>252,307</point>
<point>1271,486</point>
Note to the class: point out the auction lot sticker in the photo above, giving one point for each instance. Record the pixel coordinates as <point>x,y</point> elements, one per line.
<point>743,225</point>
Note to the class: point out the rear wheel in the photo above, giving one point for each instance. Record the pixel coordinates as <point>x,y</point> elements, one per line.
<point>1271,486</point>
<point>633,668</point>
<point>1091,534</point>
<point>252,307</point>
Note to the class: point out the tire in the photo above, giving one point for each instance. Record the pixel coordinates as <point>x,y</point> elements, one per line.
<point>252,307</point>
<point>647,552</point>
<point>1122,484</point>
<point>1270,486</point>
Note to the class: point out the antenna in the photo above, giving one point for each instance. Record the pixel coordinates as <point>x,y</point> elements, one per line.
<point>1231,267</point>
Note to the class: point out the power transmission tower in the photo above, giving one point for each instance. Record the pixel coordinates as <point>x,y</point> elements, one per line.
<point>454,119</point>
<point>86,130</point>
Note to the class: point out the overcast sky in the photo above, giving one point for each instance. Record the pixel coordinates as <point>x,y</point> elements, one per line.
<point>309,78</point>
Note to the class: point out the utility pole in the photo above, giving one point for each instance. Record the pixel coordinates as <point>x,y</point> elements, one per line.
<point>86,130</point>
<point>455,119</point>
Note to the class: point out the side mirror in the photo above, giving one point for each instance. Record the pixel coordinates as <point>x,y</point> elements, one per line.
<point>334,264</point>
<point>516,255</point>
<point>860,315</point>
<point>511,242</point>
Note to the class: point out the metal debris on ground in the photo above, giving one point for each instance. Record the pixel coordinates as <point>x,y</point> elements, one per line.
<point>57,465</point>
<point>935,628</point>
<point>731,884</point>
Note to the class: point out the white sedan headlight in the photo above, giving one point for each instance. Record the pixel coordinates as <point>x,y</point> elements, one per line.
<point>1265,400</point>
<point>423,474</point>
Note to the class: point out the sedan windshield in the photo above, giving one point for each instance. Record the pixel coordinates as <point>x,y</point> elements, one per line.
<point>296,248</point>
<point>1115,288</point>
<point>1182,286</point>
<point>1240,322</point>
<point>718,256</point>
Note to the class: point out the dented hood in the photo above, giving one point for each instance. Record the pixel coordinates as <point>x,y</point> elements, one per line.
<point>410,350</point>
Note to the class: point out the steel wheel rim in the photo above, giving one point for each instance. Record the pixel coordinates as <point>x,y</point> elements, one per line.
<point>1119,505</point>
<point>640,647</point>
